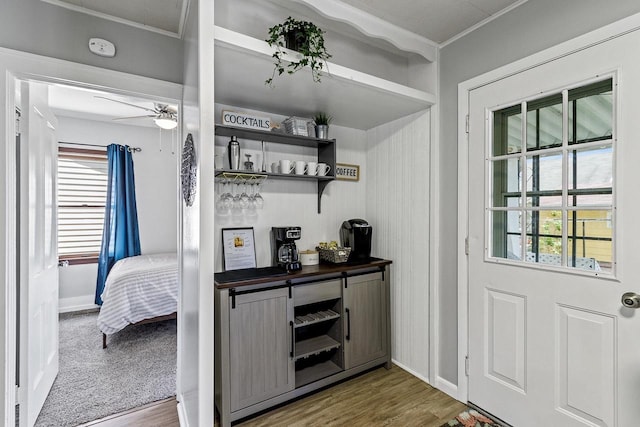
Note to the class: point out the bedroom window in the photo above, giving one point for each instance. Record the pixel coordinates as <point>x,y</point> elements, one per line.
<point>552,179</point>
<point>82,193</point>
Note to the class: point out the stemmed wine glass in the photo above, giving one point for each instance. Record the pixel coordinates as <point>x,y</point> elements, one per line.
<point>223,204</point>
<point>257,198</point>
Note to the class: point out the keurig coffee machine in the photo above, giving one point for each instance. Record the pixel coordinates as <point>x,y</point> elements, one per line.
<point>356,234</point>
<point>283,246</point>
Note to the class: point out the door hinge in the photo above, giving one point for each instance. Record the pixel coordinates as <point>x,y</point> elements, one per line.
<point>466,366</point>
<point>466,127</point>
<point>466,246</point>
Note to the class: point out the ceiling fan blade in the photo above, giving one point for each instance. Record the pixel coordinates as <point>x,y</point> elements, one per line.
<point>125,103</point>
<point>135,117</point>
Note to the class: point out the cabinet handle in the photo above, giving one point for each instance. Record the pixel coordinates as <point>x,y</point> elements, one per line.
<point>293,340</point>
<point>348,337</point>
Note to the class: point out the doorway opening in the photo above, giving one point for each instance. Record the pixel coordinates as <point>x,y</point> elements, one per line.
<point>85,120</point>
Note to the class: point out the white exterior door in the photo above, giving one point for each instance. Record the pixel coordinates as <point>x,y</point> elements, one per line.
<point>38,252</point>
<point>553,231</point>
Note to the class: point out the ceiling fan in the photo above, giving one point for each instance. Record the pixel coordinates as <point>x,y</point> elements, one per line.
<point>165,116</point>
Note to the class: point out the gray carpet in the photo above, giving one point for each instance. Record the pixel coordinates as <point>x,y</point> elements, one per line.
<point>137,367</point>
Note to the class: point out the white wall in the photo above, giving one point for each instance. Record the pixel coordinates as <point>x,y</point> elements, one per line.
<point>397,200</point>
<point>531,27</point>
<point>294,203</point>
<point>156,195</point>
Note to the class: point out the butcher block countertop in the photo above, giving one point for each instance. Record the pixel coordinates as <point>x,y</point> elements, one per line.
<point>234,279</point>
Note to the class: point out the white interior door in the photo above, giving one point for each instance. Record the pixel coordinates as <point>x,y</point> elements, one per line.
<point>549,342</point>
<point>38,254</point>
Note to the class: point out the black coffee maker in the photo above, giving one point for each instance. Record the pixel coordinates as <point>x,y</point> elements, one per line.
<point>283,247</point>
<point>356,234</point>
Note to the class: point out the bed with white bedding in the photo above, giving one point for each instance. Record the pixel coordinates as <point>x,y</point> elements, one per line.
<point>139,289</point>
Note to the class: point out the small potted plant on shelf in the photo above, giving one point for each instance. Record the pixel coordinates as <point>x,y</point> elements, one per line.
<point>305,38</point>
<point>322,121</point>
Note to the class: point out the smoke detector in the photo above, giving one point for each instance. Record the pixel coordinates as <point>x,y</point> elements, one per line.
<point>102,47</point>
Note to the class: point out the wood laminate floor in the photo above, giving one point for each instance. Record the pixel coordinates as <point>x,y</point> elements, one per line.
<point>377,398</point>
<point>163,413</point>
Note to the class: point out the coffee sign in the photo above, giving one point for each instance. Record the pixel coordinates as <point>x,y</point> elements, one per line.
<point>245,120</point>
<point>346,172</point>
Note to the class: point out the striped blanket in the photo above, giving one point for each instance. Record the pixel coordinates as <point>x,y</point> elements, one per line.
<point>139,288</point>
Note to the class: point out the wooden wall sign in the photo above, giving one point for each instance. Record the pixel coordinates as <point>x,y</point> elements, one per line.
<point>347,172</point>
<point>245,120</point>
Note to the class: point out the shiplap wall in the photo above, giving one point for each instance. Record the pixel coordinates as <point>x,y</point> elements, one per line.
<point>398,208</point>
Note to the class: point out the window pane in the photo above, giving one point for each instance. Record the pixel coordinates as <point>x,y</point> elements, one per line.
<point>590,240</point>
<point>591,112</point>
<point>507,240</point>
<point>82,189</point>
<point>544,180</point>
<point>591,176</point>
<point>544,123</point>
<point>507,131</point>
<point>544,237</point>
<point>506,183</point>
<point>591,199</point>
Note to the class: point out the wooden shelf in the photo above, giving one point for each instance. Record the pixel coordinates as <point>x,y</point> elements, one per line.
<point>315,345</point>
<point>220,172</point>
<point>354,99</point>
<point>280,138</point>
<point>326,149</point>
<point>316,372</point>
<point>322,316</point>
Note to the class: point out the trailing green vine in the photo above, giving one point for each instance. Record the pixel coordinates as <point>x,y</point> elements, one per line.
<point>304,37</point>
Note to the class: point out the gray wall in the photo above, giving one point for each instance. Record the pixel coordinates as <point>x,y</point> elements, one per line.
<point>532,27</point>
<point>44,29</point>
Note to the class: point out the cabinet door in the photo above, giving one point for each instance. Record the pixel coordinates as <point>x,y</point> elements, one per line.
<point>260,334</point>
<point>365,331</point>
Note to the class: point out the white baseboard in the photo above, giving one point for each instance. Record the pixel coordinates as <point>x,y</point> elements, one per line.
<point>182,416</point>
<point>85,302</point>
<point>447,388</point>
<point>411,371</point>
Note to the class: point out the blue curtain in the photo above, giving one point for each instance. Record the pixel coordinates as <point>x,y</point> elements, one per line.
<point>120,236</point>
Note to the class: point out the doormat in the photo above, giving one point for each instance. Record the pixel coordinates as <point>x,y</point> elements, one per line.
<point>471,418</point>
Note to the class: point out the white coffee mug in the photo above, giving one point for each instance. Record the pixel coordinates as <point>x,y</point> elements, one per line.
<point>286,166</point>
<point>323,169</point>
<point>275,168</point>
<point>312,168</point>
<point>300,167</point>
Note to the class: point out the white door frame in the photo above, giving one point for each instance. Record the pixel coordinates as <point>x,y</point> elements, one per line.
<point>585,41</point>
<point>16,65</point>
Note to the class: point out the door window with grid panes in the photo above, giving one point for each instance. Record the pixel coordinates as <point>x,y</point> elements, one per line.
<point>552,178</point>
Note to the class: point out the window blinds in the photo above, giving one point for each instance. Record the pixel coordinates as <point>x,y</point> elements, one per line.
<point>82,192</point>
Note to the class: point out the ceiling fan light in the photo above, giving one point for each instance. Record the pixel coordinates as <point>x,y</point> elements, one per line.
<point>165,123</point>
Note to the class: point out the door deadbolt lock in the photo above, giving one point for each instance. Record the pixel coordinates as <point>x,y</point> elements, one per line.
<point>631,300</point>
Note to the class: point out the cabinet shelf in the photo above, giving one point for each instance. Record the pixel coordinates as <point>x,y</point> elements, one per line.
<point>316,372</point>
<point>313,318</point>
<point>315,345</point>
